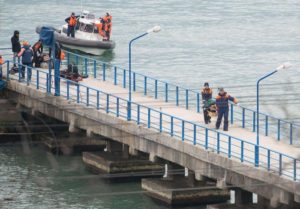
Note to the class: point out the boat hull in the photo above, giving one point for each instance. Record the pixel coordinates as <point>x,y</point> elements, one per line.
<point>95,47</point>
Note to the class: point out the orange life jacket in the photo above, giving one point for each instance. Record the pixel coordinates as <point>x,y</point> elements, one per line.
<point>108,27</point>
<point>72,21</point>
<point>62,55</point>
<point>100,29</point>
<point>1,61</point>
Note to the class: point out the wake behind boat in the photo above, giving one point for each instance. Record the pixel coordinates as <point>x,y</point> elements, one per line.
<point>87,39</point>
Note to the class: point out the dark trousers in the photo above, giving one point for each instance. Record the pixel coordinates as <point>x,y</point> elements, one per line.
<point>222,112</point>
<point>206,116</point>
<point>71,31</point>
<point>29,70</point>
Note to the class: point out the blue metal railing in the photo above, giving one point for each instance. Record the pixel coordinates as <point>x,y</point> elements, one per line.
<point>187,131</point>
<point>184,97</point>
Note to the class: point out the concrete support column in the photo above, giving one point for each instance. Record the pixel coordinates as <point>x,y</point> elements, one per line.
<point>168,171</point>
<point>89,133</point>
<point>243,197</point>
<point>198,176</point>
<point>152,158</point>
<point>72,127</point>
<point>133,151</point>
<point>34,112</point>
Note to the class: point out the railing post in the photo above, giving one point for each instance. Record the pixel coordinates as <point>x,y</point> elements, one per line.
<point>295,169</point>
<point>198,102</point>
<point>85,66</point>
<point>87,96</point>
<point>115,76</point>
<point>231,113</point>
<point>267,126</point>
<point>78,88</point>
<point>280,164</point>
<point>254,121</point>
<point>134,81</point>
<point>269,160</point>
<point>242,151</point>
<point>124,79</point>
<point>229,147</point>
<point>278,130</point>
<point>77,60</point>
<point>182,131</point>
<point>20,71</point>
<point>68,58</point>
<point>187,99</point>
<point>160,122</point>
<point>177,96</point>
<point>145,85</point>
<point>68,89</point>
<point>47,83</point>
<point>195,134</point>
<point>243,118</point>
<point>98,100</point>
<point>118,107</point>
<point>107,103</point>
<point>149,117</point>
<point>291,133</point>
<point>7,71</point>
<point>172,126</point>
<point>95,69</point>
<point>166,92</point>
<point>218,143</point>
<point>155,93</point>
<point>27,75</point>
<point>206,138</point>
<point>37,79</point>
<point>104,71</point>
<point>138,114</point>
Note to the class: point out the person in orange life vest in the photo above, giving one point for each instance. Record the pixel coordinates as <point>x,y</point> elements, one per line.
<point>107,29</point>
<point>100,27</point>
<point>27,56</point>
<point>72,21</point>
<point>222,107</point>
<point>206,96</point>
<point>1,63</point>
<point>107,25</point>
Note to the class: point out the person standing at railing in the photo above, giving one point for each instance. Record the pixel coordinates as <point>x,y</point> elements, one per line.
<point>15,45</point>
<point>72,21</point>
<point>206,98</point>
<point>1,63</point>
<point>27,58</point>
<point>222,101</point>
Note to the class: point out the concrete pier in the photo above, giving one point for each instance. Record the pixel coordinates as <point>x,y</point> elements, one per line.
<point>180,192</point>
<point>118,166</point>
<point>72,145</point>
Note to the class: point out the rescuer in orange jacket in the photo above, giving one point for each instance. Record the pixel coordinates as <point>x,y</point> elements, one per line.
<point>222,107</point>
<point>107,25</point>
<point>72,21</point>
<point>100,27</point>
<point>1,63</point>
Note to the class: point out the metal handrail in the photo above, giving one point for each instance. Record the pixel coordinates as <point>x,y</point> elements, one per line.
<point>188,131</point>
<point>165,89</point>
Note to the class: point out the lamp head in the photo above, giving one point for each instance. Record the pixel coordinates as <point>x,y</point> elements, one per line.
<point>155,29</point>
<point>284,66</point>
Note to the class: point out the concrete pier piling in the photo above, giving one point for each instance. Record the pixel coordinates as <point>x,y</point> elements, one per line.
<point>179,191</point>
<point>117,165</point>
<point>72,145</point>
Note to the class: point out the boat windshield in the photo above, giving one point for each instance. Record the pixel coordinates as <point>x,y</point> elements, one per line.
<point>89,28</point>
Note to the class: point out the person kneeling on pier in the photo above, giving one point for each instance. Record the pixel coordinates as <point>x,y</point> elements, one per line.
<point>223,108</point>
